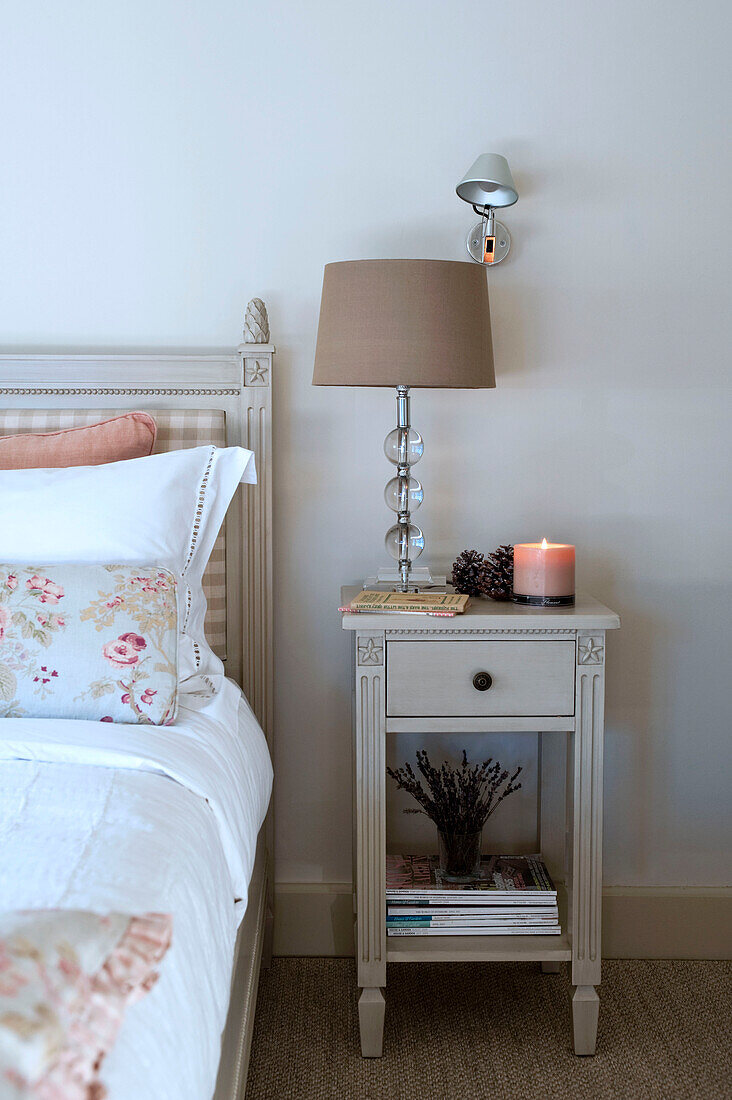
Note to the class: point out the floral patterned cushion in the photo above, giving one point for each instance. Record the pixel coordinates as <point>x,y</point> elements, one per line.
<point>88,641</point>
<point>66,977</point>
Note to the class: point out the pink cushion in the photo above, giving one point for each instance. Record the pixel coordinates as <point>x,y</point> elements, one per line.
<point>129,436</point>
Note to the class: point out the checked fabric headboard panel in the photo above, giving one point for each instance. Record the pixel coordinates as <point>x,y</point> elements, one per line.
<point>177,429</point>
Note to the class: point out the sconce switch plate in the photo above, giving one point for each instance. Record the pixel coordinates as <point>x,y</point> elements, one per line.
<point>476,244</point>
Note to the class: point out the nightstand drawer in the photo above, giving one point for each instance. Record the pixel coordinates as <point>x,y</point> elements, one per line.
<point>477,678</point>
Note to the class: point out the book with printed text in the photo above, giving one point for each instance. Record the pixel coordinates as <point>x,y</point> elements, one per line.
<point>433,603</point>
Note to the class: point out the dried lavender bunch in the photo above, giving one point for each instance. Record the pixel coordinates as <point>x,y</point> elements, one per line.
<point>458,800</point>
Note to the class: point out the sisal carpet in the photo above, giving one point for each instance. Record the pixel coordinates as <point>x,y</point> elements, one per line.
<point>499,1031</point>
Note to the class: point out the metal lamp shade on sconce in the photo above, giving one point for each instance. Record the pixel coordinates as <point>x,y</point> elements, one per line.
<point>404,323</point>
<point>488,182</point>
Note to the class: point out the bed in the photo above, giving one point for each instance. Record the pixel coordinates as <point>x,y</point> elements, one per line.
<point>175,818</point>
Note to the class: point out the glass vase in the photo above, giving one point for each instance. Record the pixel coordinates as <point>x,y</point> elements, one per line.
<point>459,855</point>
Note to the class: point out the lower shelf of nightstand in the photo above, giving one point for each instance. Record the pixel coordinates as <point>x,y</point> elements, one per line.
<point>484,948</point>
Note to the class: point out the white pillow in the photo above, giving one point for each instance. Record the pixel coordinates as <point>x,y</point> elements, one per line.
<point>165,510</point>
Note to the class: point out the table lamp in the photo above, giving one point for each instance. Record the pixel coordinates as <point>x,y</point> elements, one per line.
<point>406,324</point>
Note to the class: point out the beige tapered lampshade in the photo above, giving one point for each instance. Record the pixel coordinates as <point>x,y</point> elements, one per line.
<point>423,323</point>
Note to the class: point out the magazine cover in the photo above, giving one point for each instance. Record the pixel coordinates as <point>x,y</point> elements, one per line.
<point>483,930</point>
<point>446,908</point>
<point>421,875</point>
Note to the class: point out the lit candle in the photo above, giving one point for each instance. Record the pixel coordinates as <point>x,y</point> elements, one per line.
<point>543,574</point>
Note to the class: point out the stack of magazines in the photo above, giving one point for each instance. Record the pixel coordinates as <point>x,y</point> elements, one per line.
<point>512,896</point>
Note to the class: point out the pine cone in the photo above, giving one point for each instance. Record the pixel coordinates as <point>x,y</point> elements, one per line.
<point>468,573</point>
<point>498,574</point>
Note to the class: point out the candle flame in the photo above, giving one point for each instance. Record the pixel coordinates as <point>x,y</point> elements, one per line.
<point>543,544</point>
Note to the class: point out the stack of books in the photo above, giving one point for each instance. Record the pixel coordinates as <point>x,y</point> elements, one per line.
<point>442,604</point>
<point>513,896</point>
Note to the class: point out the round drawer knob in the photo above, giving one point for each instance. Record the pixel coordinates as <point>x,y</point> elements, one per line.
<point>482,681</point>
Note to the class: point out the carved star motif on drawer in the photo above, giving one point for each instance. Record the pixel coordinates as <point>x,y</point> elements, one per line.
<point>256,373</point>
<point>590,651</point>
<point>370,652</point>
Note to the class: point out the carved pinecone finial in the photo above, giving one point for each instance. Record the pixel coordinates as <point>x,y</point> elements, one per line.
<point>256,323</point>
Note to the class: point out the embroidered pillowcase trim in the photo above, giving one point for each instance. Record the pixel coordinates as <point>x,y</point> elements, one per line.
<point>97,642</point>
<point>66,978</point>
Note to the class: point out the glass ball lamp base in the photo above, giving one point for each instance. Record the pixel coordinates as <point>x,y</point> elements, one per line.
<point>403,495</point>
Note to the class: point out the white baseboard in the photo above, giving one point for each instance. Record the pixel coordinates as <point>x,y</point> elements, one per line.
<point>317,919</point>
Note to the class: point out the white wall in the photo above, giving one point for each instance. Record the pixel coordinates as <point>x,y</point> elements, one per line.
<point>164,161</point>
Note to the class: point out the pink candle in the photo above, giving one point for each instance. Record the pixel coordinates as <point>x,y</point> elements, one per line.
<point>543,574</point>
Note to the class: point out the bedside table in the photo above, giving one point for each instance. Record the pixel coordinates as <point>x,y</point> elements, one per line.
<point>414,674</point>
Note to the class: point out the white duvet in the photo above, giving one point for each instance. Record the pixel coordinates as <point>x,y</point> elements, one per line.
<point>143,818</point>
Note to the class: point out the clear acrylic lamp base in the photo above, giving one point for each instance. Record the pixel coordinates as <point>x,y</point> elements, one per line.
<point>419,577</point>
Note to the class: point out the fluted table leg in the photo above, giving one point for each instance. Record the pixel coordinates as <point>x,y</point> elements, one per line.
<point>370,749</point>
<point>587,838</point>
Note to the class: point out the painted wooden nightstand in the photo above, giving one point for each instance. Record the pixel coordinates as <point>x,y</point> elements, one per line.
<point>414,674</point>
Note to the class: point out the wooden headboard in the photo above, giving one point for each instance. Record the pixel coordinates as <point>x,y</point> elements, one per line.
<point>237,384</point>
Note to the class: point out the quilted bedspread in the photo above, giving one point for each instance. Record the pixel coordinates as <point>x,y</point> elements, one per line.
<point>140,819</point>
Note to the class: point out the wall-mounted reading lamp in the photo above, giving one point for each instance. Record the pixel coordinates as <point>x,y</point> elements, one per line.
<point>488,184</point>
